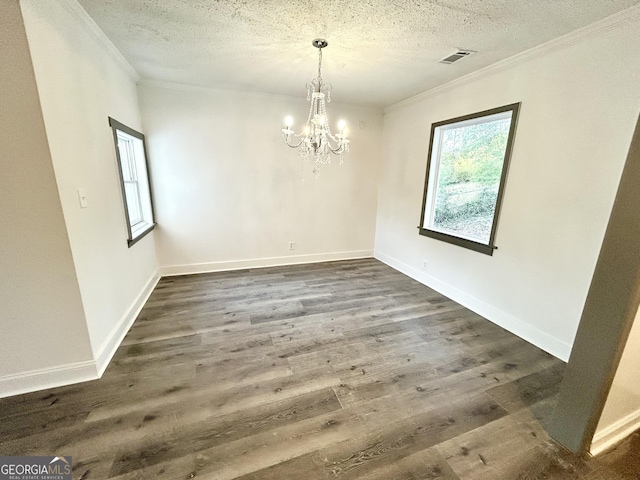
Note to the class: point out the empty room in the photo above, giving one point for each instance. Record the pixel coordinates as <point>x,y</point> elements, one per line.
<point>354,240</point>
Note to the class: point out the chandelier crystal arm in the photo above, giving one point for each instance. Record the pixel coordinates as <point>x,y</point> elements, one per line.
<point>287,140</point>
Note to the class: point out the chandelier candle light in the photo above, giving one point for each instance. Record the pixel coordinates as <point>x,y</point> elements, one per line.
<point>317,143</point>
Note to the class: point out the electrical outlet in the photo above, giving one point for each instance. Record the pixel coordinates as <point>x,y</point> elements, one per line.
<point>424,264</point>
<point>292,245</point>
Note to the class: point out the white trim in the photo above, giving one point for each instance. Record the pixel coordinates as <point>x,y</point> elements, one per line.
<point>108,348</point>
<point>41,379</point>
<point>70,373</point>
<point>628,15</point>
<point>531,334</point>
<point>618,431</point>
<point>95,32</point>
<point>171,270</point>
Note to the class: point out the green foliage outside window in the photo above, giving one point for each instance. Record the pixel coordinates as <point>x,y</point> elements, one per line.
<point>469,176</point>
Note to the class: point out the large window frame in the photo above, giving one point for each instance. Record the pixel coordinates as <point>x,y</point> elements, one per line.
<point>133,168</point>
<point>432,189</point>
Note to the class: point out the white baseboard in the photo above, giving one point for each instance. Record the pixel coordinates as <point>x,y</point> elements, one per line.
<point>108,348</point>
<point>171,270</point>
<point>608,437</point>
<point>516,326</point>
<point>68,374</point>
<point>41,379</point>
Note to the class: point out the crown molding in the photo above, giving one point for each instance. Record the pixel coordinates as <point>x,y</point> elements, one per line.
<point>629,15</point>
<point>95,32</point>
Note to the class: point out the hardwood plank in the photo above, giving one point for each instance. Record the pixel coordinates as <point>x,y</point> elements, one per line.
<point>387,444</point>
<point>303,466</point>
<point>239,457</point>
<point>528,390</point>
<point>220,430</point>
<point>424,465</point>
<point>333,370</point>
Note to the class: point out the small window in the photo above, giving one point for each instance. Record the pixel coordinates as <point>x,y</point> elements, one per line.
<point>134,180</point>
<point>466,173</point>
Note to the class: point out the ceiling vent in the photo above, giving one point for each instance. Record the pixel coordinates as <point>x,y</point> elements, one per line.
<point>457,55</point>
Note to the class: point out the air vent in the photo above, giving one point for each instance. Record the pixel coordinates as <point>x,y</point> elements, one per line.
<point>458,55</point>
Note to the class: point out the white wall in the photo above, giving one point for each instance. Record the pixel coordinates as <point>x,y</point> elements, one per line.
<point>621,414</point>
<point>81,83</point>
<point>579,107</point>
<point>229,193</point>
<point>42,324</point>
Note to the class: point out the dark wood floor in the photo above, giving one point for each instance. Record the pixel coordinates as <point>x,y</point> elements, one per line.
<point>335,370</point>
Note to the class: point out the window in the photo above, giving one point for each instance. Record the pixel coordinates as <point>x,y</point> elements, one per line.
<point>466,173</point>
<point>134,180</point>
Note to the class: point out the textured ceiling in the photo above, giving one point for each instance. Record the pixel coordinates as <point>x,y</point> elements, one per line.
<point>380,51</point>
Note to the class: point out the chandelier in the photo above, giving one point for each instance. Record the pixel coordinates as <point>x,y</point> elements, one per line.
<point>316,142</point>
